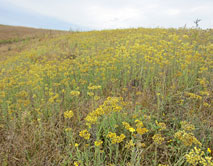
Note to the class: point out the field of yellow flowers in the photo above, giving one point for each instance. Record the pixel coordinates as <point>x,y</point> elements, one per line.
<point>126,97</point>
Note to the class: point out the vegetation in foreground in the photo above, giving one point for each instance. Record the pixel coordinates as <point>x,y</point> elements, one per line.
<point>120,97</point>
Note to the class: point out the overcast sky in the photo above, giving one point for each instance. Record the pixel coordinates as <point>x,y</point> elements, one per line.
<point>106,14</point>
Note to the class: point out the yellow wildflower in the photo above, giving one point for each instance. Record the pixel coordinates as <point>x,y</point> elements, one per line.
<point>141,131</point>
<point>128,127</point>
<point>98,143</point>
<point>130,144</point>
<point>84,134</point>
<point>74,93</point>
<point>139,123</point>
<point>68,114</point>
<point>196,156</point>
<point>158,139</point>
<point>94,87</point>
<point>131,129</point>
<point>161,125</point>
<point>68,129</point>
<point>90,93</point>
<point>96,98</point>
<point>76,163</point>
<point>186,126</point>
<point>187,138</point>
<point>114,138</point>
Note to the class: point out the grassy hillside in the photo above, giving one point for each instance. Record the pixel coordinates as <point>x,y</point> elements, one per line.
<point>15,39</point>
<point>119,97</point>
<point>18,32</point>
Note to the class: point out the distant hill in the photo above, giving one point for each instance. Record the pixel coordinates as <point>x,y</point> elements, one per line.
<point>11,37</point>
<point>10,33</point>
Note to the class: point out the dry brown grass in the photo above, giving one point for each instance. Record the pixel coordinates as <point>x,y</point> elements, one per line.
<point>12,32</point>
<point>14,39</point>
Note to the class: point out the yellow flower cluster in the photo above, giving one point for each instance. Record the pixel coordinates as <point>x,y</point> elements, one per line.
<point>76,163</point>
<point>142,131</point>
<point>98,143</point>
<point>68,129</point>
<point>141,144</point>
<point>85,134</point>
<point>187,138</point>
<point>204,93</point>
<point>74,93</point>
<point>186,126</point>
<point>53,98</point>
<point>158,139</point>
<point>94,87</point>
<point>161,125</point>
<point>96,98</point>
<point>90,93</point>
<point>68,114</point>
<point>140,127</point>
<point>114,138</point>
<point>130,144</point>
<point>203,82</point>
<point>193,96</point>
<point>196,156</point>
<point>128,127</point>
<point>112,104</point>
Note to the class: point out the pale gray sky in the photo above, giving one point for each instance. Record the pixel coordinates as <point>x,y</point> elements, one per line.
<point>110,14</point>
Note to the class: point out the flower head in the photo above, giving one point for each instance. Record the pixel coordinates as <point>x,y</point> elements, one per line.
<point>68,114</point>
<point>98,143</point>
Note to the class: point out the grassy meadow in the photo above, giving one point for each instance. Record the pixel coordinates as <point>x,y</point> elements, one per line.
<point>126,97</point>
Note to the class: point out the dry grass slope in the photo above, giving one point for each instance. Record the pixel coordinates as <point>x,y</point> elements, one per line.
<point>14,39</point>
<point>13,32</point>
